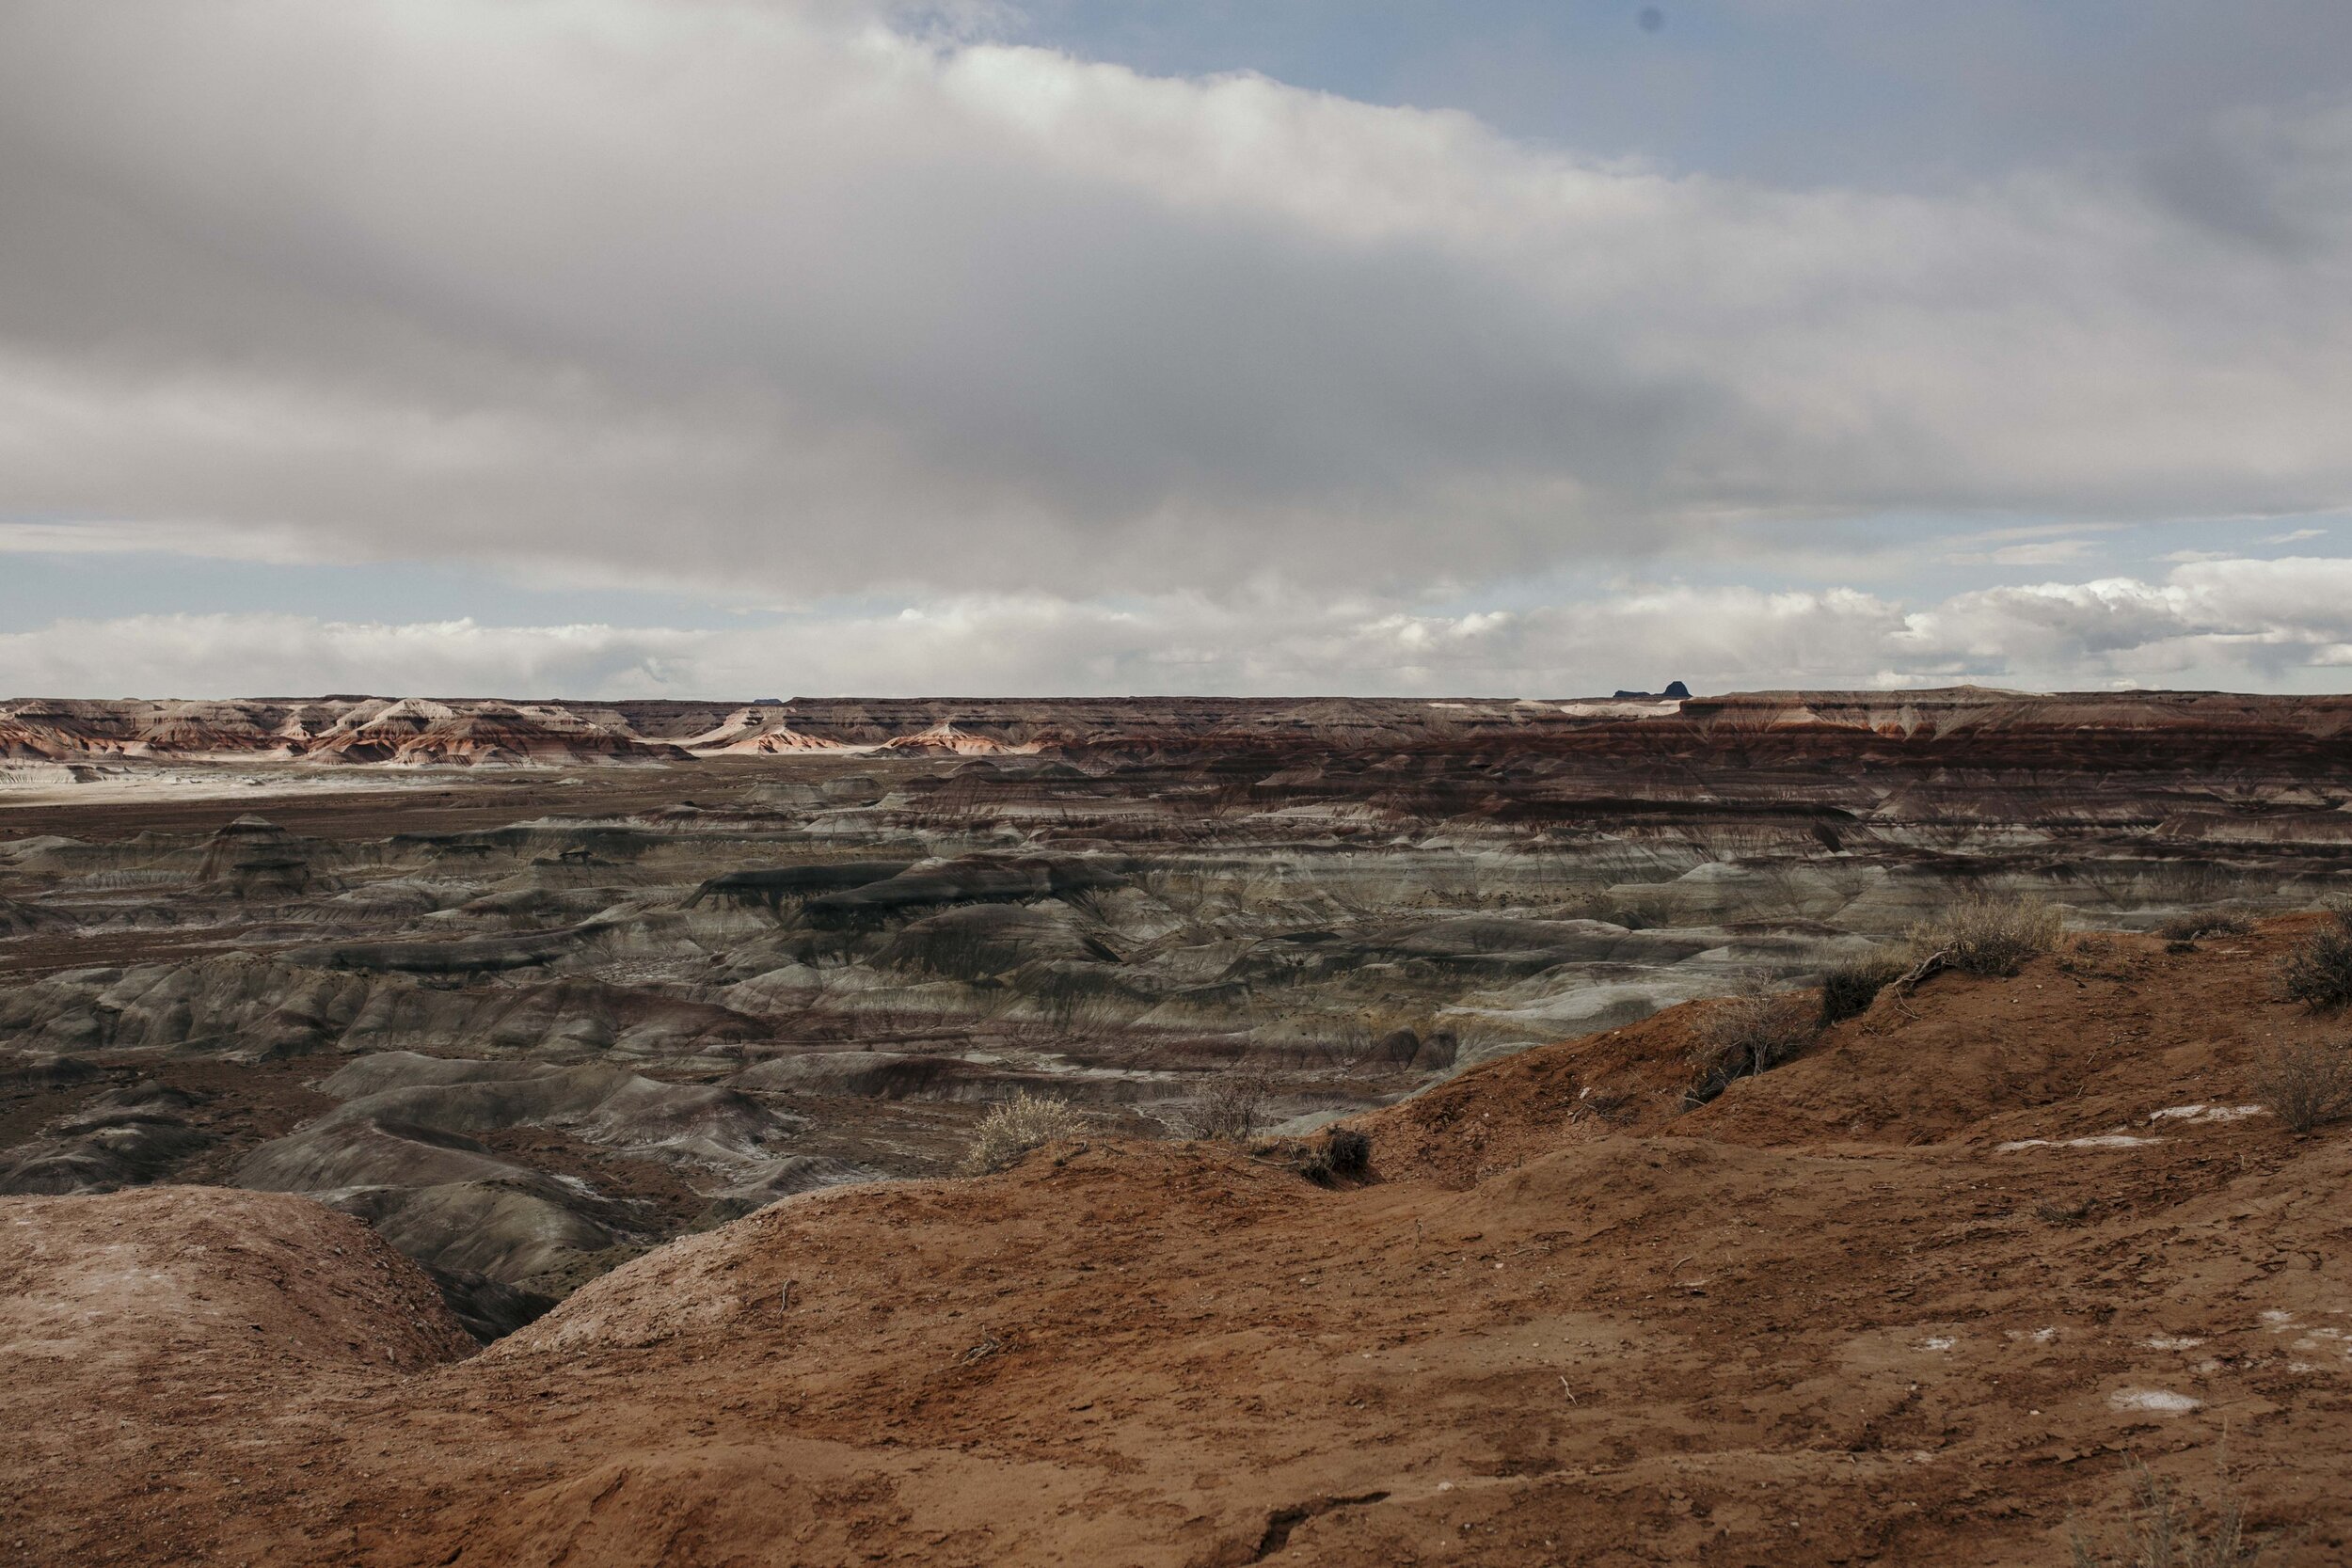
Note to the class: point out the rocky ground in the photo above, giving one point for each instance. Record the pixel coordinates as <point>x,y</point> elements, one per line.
<point>634,969</point>
<point>1928,1294</point>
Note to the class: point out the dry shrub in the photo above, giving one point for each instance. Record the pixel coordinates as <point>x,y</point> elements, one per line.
<point>2165,1534</point>
<point>1025,1122</point>
<point>1232,1107</point>
<point>1748,1034</point>
<point>1343,1154</point>
<point>2306,1083</point>
<point>2213,923</point>
<point>1988,936</point>
<point>2319,973</point>
<point>1849,989</point>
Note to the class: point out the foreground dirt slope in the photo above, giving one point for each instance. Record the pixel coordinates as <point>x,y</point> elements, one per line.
<point>1878,1306</point>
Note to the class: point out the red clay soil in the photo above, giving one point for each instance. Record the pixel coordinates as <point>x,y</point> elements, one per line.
<point>1834,1318</point>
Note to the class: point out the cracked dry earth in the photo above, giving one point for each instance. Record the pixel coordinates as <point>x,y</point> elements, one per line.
<point>1918,1297</point>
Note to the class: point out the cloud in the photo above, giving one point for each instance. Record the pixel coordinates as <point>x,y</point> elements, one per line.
<point>789,300</point>
<point>2210,623</point>
<point>2041,552</point>
<point>211,541</point>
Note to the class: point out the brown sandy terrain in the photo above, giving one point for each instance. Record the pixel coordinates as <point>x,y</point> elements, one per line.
<point>1878,1305</point>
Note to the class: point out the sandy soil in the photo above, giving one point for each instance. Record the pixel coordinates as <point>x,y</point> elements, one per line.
<point>1880,1305</point>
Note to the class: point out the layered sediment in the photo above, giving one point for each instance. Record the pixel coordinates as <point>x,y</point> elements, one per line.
<point>902,912</point>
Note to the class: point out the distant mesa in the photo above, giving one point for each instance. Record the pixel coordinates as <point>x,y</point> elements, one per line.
<point>946,738</point>
<point>1674,689</point>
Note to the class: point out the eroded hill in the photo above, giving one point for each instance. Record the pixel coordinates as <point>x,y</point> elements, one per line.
<point>1921,1296</point>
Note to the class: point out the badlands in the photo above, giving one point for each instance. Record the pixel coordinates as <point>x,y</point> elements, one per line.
<point>643,1043</point>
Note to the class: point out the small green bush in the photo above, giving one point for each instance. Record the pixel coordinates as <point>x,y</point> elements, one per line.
<point>1988,936</point>
<point>1025,1122</point>
<point>1849,989</point>
<point>2319,973</point>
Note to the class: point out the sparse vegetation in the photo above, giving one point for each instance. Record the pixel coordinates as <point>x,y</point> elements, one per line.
<point>1232,1107</point>
<point>1987,935</point>
<point>1849,989</point>
<point>2211,923</point>
<point>2307,1083</point>
<point>1025,1122</point>
<point>2319,973</point>
<point>1343,1154</point>
<point>1748,1034</point>
<point>2166,1533</point>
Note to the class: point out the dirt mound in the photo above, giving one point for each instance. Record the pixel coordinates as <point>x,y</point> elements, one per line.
<point>1918,1297</point>
<point>140,1327</point>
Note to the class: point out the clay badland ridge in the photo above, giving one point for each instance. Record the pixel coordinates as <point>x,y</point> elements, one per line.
<point>1924,1295</point>
<point>486,730</point>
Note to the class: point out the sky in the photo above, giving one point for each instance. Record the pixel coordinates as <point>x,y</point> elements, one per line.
<point>737,348</point>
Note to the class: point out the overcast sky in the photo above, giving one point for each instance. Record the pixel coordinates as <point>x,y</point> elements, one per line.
<point>760,347</point>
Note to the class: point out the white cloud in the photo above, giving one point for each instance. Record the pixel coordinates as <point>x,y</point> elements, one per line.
<point>775,300</point>
<point>2213,622</point>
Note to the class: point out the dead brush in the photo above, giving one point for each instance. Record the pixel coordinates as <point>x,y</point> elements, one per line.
<point>1342,1154</point>
<point>2212,923</point>
<point>2318,971</point>
<point>1849,989</point>
<point>1025,1122</point>
<point>1985,936</point>
<point>2307,1083</point>
<point>2166,1533</point>
<point>1745,1036</point>
<point>1231,1109</point>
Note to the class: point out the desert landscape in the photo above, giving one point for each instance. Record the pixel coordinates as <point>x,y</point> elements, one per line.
<point>1121,784</point>
<point>1173,1131</point>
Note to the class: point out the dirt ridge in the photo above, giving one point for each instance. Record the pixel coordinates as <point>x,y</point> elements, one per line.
<point>1920,1296</point>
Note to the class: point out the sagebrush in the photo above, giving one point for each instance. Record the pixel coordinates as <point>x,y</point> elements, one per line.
<point>1025,1122</point>
<point>1748,1034</point>
<point>2307,1083</point>
<point>1988,936</point>
<point>2318,971</point>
